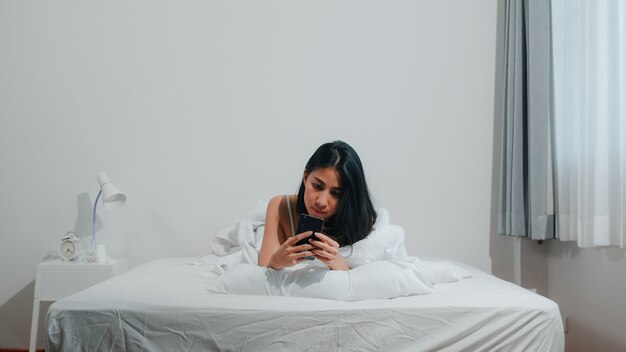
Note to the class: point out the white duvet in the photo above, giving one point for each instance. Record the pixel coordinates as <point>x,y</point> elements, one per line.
<point>381,267</point>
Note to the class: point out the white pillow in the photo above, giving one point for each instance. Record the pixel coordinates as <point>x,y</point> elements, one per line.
<point>376,280</point>
<point>437,271</point>
<point>384,243</point>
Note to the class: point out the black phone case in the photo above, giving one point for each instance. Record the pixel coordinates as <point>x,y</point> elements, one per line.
<point>308,223</point>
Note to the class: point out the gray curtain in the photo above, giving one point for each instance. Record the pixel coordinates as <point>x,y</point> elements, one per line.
<point>526,179</point>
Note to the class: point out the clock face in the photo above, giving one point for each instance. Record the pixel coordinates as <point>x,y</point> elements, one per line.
<point>68,249</point>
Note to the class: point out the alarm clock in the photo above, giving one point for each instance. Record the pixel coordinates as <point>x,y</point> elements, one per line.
<point>70,245</point>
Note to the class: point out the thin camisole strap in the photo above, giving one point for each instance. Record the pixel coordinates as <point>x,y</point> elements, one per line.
<point>293,231</point>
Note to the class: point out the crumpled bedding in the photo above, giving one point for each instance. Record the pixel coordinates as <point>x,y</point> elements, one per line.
<point>381,267</point>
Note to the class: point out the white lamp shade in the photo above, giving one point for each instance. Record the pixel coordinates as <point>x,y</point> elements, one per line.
<point>112,197</point>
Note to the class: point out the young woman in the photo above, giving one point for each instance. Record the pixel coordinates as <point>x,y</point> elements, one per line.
<point>333,188</point>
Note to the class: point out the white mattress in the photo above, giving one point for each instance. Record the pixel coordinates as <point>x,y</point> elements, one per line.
<point>164,306</point>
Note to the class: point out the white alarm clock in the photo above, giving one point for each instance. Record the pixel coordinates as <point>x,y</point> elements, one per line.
<point>70,245</point>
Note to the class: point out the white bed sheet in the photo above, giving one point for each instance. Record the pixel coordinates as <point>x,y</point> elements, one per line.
<point>164,306</point>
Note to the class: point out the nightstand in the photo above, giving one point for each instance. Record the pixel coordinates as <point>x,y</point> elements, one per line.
<point>56,279</point>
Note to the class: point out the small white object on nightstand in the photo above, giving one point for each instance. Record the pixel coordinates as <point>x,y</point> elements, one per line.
<point>57,279</point>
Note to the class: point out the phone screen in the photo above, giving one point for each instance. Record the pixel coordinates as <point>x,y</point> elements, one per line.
<point>308,223</point>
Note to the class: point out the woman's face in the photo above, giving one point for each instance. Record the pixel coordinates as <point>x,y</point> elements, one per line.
<point>322,191</point>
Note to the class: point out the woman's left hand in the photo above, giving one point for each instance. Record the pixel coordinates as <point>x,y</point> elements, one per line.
<point>327,250</point>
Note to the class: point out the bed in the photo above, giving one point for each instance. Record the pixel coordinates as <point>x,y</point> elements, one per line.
<point>164,306</point>
<point>192,304</point>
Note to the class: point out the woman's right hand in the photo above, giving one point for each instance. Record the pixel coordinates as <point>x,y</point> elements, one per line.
<point>288,254</point>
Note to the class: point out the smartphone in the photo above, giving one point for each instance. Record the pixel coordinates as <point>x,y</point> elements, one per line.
<point>308,223</point>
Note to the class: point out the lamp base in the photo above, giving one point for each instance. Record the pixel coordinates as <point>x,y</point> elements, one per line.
<point>101,254</point>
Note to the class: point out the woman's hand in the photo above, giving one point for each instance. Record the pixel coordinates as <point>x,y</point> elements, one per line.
<point>288,254</point>
<point>327,250</point>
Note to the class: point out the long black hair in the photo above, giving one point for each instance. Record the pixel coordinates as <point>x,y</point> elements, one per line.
<point>355,214</point>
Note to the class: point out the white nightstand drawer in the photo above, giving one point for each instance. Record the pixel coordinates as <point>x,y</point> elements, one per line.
<point>58,284</point>
<point>57,279</point>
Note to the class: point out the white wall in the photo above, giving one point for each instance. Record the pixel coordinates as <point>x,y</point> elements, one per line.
<point>590,288</point>
<point>198,109</point>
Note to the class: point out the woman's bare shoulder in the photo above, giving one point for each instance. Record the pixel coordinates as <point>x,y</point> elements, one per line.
<point>282,199</point>
<point>278,205</point>
<point>277,216</point>
<point>276,201</point>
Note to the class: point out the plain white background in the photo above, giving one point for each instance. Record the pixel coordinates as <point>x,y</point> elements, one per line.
<point>199,109</point>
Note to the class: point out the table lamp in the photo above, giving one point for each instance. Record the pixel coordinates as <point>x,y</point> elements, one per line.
<point>112,198</point>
